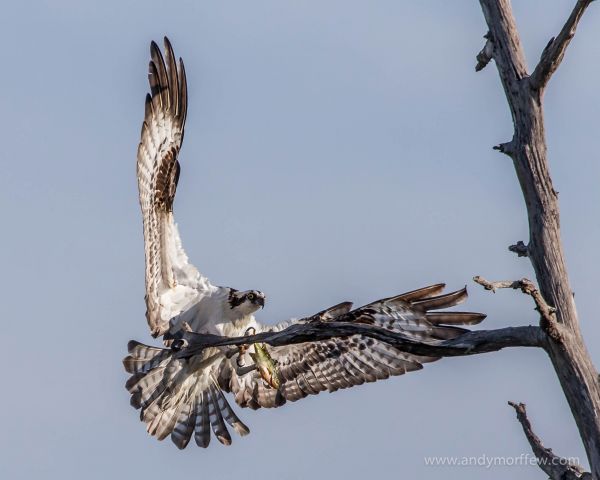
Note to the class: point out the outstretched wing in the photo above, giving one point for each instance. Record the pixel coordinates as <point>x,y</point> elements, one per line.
<point>172,283</point>
<point>177,398</point>
<point>310,368</point>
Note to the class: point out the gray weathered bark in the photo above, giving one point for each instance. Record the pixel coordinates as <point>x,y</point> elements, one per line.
<point>566,348</point>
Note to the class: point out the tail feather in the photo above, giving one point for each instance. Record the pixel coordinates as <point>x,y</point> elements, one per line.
<point>147,388</point>
<point>141,351</point>
<point>148,413</point>
<point>143,381</point>
<point>135,365</point>
<point>216,418</point>
<point>133,380</point>
<point>182,433</point>
<point>143,358</point>
<point>168,420</point>
<point>154,419</point>
<point>202,425</point>
<point>228,414</point>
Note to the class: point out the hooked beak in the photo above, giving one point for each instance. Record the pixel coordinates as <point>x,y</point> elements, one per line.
<point>261,301</point>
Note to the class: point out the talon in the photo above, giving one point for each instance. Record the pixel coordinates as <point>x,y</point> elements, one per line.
<point>242,349</point>
<point>250,329</point>
<point>239,361</point>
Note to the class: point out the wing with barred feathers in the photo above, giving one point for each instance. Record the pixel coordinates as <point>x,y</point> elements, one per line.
<point>310,368</point>
<point>172,283</point>
<point>183,397</point>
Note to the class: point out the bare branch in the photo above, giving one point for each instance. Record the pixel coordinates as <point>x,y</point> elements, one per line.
<point>548,320</point>
<point>485,55</point>
<point>557,468</point>
<point>526,286</point>
<point>505,148</point>
<point>470,343</point>
<point>493,286</point>
<point>520,249</point>
<point>556,48</point>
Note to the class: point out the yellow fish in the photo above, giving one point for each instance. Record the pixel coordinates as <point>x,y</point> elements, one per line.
<point>266,366</point>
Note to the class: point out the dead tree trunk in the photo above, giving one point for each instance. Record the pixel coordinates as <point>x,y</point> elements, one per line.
<point>524,93</point>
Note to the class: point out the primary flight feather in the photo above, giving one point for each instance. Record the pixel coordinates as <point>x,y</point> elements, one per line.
<point>183,397</point>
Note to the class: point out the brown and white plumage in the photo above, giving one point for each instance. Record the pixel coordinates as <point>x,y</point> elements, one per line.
<point>309,368</point>
<point>183,397</point>
<point>171,281</point>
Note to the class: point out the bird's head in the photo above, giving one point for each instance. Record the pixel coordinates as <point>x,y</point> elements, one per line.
<point>246,302</point>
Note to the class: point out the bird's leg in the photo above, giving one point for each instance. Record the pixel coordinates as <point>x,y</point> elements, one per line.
<point>242,349</point>
<point>240,368</point>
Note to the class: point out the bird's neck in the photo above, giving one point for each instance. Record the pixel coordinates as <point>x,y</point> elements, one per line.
<point>237,327</point>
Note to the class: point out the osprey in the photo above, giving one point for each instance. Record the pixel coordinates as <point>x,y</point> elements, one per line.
<point>183,397</point>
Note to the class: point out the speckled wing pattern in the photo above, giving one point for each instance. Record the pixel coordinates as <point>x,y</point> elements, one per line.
<point>172,283</point>
<point>309,368</point>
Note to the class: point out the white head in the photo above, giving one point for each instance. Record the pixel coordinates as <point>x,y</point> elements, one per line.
<point>246,302</point>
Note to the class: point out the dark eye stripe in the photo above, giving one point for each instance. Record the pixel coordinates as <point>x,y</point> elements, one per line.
<point>234,300</point>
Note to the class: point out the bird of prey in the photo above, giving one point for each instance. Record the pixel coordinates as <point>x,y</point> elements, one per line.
<point>184,397</point>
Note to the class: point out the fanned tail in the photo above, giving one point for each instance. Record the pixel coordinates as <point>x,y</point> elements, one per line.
<point>176,401</point>
<point>211,411</point>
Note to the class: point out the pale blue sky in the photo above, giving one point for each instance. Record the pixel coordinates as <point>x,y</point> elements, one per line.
<point>336,150</point>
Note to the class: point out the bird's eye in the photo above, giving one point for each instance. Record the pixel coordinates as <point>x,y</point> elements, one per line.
<point>250,296</point>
